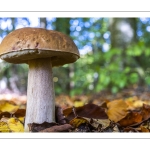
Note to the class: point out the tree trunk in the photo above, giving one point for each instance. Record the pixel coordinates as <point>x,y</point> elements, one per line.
<point>43,23</point>
<point>63,25</point>
<point>123,32</point>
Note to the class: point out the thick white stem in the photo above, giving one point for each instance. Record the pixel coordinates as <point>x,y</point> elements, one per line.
<point>40,94</point>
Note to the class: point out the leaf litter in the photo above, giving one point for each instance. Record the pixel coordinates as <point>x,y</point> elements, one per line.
<point>82,114</point>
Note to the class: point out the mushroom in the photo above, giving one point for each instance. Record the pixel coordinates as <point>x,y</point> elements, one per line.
<point>41,49</point>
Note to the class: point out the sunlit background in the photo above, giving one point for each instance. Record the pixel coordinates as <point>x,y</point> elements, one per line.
<point>114,55</point>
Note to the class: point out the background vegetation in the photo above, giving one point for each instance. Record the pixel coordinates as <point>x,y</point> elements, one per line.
<point>115,54</point>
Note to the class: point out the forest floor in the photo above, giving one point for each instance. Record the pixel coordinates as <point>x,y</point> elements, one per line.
<point>126,111</point>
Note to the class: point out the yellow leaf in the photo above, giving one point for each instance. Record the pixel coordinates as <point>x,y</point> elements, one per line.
<point>21,119</point>
<point>117,110</point>
<point>78,103</point>
<point>15,125</point>
<point>4,127</point>
<point>7,107</point>
<point>76,122</point>
<point>135,102</point>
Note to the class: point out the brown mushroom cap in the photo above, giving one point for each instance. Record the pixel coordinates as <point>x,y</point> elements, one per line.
<point>28,43</point>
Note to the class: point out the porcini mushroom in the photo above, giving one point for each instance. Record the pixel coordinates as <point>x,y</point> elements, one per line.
<point>41,49</point>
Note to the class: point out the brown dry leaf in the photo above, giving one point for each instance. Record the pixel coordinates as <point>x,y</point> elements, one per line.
<point>4,127</point>
<point>5,114</point>
<point>131,119</point>
<point>67,112</point>
<point>96,122</point>
<point>117,110</point>
<point>145,112</point>
<point>8,107</point>
<point>104,104</point>
<point>88,111</point>
<point>4,119</point>
<point>20,113</point>
<point>143,129</point>
<point>64,101</point>
<point>130,129</point>
<point>89,125</point>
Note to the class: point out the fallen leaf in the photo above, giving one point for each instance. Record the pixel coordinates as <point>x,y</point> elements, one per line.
<point>91,125</point>
<point>78,103</point>
<point>76,122</point>
<point>11,125</point>
<point>7,107</point>
<point>4,119</point>
<point>64,101</point>
<point>117,110</point>
<point>134,102</point>
<point>88,111</point>
<point>143,129</point>
<point>130,129</point>
<point>20,113</point>
<point>5,114</point>
<point>21,119</point>
<point>104,104</point>
<point>145,112</point>
<point>131,119</point>
<point>4,127</point>
<point>15,125</point>
<point>96,122</point>
<point>111,128</point>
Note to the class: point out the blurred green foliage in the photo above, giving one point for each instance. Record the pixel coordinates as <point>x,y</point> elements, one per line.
<point>101,67</point>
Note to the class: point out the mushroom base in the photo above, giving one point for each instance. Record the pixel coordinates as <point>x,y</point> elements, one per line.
<point>40,93</point>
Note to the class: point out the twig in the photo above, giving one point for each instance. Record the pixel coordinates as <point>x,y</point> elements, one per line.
<point>61,128</point>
